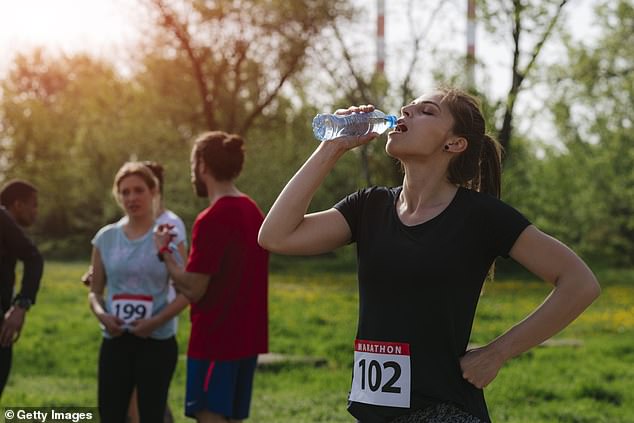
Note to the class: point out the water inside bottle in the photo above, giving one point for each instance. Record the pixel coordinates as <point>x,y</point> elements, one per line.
<point>360,125</point>
<point>328,126</point>
<point>324,127</point>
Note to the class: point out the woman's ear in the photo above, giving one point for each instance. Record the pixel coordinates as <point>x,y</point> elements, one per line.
<point>457,145</point>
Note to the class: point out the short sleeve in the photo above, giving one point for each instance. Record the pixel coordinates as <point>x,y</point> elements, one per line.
<point>100,239</point>
<point>504,225</point>
<point>210,237</point>
<point>350,207</point>
<point>181,234</point>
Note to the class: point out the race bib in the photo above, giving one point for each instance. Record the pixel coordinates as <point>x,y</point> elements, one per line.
<point>130,307</point>
<point>382,373</point>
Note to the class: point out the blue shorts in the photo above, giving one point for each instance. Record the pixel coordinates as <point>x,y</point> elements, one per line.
<point>221,387</point>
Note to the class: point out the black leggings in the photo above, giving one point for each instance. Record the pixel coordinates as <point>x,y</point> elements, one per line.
<point>128,361</point>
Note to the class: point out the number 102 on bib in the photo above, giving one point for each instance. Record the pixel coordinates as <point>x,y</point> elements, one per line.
<point>382,373</point>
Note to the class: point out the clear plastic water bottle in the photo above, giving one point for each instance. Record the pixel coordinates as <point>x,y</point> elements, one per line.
<point>329,126</point>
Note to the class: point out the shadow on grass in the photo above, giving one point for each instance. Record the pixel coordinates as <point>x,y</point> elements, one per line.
<point>600,394</point>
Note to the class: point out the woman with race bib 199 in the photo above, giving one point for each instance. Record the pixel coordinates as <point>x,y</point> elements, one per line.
<point>138,319</point>
<point>424,250</point>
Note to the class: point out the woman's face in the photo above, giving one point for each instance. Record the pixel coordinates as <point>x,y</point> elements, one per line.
<point>135,196</point>
<point>422,130</point>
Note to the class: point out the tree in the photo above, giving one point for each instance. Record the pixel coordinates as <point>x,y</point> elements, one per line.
<point>57,132</point>
<point>240,53</point>
<point>67,124</point>
<point>583,192</point>
<point>356,81</point>
<point>531,23</point>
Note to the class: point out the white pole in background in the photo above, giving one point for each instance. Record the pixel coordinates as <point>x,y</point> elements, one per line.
<point>471,29</point>
<point>380,37</point>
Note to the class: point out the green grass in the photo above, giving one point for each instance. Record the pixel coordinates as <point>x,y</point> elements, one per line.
<point>314,313</point>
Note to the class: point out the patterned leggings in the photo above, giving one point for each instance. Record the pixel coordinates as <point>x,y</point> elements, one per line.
<point>439,413</point>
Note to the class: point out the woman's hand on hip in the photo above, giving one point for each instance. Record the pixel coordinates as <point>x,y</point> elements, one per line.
<point>481,365</point>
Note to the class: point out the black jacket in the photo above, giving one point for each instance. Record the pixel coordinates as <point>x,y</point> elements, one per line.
<point>14,246</point>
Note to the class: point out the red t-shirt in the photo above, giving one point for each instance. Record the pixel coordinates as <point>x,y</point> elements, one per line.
<point>231,320</point>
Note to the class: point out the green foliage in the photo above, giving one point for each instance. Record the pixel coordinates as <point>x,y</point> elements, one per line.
<point>67,123</point>
<point>314,313</point>
<point>584,194</point>
<point>238,54</point>
<point>60,131</point>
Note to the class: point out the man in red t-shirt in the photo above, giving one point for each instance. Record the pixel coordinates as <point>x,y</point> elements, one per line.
<point>226,280</point>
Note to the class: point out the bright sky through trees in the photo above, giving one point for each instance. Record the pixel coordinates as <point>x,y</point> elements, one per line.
<point>97,26</point>
<point>103,27</point>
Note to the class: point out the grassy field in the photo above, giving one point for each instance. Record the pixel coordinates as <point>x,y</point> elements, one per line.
<point>589,379</point>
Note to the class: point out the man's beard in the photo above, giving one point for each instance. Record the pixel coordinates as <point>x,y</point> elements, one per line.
<point>199,187</point>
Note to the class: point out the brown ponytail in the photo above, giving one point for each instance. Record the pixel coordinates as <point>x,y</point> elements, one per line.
<point>479,166</point>
<point>490,178</point>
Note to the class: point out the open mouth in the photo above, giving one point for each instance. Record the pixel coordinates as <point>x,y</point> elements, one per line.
<point>400,127</point>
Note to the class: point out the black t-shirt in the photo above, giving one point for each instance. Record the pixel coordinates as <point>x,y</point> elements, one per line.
<point>420,285</point>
